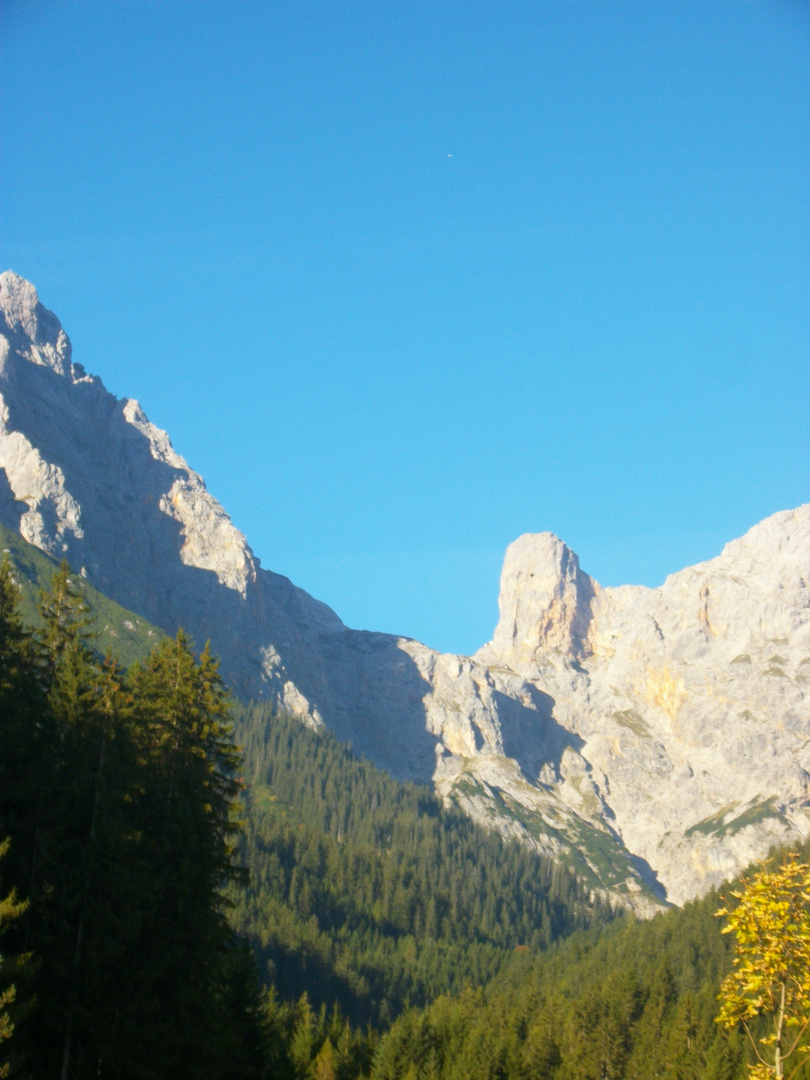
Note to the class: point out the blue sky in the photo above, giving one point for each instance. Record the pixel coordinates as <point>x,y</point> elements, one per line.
<point>406,280</point>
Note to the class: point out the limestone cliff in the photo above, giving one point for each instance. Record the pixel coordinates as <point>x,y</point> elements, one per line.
<point>655,739</point>
<point>689,701</point>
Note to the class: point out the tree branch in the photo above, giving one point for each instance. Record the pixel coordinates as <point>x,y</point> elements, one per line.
<point>760,1058</point>
<point>799,1037</point>
<point>802,1062</point>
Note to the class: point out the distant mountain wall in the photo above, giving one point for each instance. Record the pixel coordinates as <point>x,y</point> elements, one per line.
<point>656,740</point>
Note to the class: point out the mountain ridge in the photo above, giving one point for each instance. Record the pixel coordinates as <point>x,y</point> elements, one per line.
<point>590,726</point>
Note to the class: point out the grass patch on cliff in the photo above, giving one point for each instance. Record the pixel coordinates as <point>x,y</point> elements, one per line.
<point>595,855</point>
<point>755,813</point>
<point>629,718</point>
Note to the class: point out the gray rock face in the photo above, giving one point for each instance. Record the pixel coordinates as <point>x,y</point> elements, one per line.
<point>689,700</point>
<point>655,739</point>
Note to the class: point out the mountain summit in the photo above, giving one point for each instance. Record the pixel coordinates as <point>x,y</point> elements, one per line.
<point>657,740</point>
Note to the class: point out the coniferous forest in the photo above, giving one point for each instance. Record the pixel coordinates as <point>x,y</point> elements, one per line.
<point>367,891</point>
<point>193,887</point>
<point>117,806</point>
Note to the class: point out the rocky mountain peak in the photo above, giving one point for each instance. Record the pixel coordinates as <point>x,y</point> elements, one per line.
<point>771,548</point>
<point>544,602</point>
<point>34,331</point>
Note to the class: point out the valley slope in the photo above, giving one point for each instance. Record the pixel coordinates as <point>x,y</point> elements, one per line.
<point>655,740</point>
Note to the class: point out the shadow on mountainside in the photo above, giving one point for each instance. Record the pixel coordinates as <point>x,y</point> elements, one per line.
<point>532,735</point>
<point>378,702</point>
<point>128,547</point>
<point>367,690</point>
<point>11,509</point>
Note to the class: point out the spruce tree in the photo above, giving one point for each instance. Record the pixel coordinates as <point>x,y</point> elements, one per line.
<point>10,910</point>
<point>186,819</point>
<point>25,733</point>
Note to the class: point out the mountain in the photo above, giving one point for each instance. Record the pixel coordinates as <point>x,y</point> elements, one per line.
<point>655,740</point>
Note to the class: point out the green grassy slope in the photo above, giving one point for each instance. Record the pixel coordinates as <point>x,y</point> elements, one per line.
<point>126,636</point>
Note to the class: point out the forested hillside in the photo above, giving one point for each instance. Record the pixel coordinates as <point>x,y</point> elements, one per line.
<point>633,1001</point>
<point>117,795</point>
<point>365,901</point>
<point>368,892</point>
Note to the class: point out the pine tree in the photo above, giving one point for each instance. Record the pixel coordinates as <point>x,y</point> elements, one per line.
<point>26,735</point>
<point>68,854</point>
<point>10,909</point>
<point>186,818</point>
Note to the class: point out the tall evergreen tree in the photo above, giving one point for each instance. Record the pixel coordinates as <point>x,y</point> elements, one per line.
<point>25,734</point>
<point>10,909</point>
<point>186,819</point>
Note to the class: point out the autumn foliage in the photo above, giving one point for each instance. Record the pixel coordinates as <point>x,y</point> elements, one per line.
<point>771,974</point>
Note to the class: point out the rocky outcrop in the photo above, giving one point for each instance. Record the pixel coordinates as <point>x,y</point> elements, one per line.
<point>655,739</point>
<point>545,603</point>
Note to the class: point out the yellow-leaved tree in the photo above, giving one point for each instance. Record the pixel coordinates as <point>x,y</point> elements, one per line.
<point>771,974</point>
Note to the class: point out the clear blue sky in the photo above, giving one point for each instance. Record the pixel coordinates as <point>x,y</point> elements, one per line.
<point>405,280</point>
